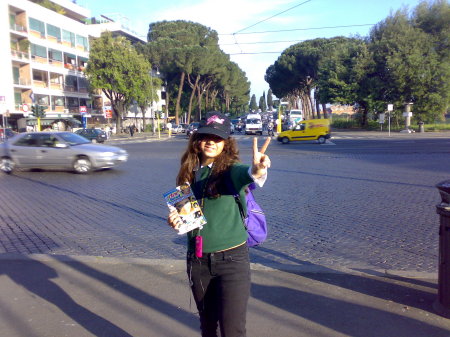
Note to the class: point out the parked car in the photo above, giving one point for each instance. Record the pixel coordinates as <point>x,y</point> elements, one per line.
<point>184,127</point>
<point>94,135</point>
<point>7,132</point>
<point>180,128</point>
<point>65,150</point>
<point>192,128</point>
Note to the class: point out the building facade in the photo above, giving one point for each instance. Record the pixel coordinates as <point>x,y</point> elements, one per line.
<point>44,64</point>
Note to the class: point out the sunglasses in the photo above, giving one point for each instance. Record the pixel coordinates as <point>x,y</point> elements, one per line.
<point>206,137</point>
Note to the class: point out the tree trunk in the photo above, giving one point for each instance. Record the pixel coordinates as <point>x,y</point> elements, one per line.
<point>194,88</point>
<point>324,109</point>
<point>180,91</point>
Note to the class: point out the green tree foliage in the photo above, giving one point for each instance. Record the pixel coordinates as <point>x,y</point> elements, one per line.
<point>189,52</point>
<point>404,59</point>
<point>269,99</point>
<point>253,106</point>
<point>119,71</point>
<point>262,102</point>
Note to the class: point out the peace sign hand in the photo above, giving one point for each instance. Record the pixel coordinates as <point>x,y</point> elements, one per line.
<point>261,161</point>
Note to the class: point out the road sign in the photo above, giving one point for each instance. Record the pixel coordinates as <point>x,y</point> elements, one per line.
<point>25,107</point>
<point>390,107</point>
<point>83,110</point>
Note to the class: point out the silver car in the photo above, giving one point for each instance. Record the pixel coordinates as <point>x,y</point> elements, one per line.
<point>57,150</point>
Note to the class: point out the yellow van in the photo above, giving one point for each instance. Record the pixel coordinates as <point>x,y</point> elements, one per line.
<point>312,129</point>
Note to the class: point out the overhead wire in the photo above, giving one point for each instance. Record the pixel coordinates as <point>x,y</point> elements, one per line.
<point>234,34</point>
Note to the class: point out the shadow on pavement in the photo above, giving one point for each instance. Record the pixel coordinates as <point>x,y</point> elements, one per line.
<point>344,317</point>
<point>383,287</point>
<point>37,277</point>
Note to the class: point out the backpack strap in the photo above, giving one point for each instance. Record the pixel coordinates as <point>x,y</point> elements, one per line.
<point>237,198</point>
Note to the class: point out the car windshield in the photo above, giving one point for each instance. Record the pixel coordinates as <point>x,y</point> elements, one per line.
<point>73,139</point>
<point>253,121</point>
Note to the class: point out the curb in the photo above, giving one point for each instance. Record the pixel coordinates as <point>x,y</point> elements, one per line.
<point>181,264</point>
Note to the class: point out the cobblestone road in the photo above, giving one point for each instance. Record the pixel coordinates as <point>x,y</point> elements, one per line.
<point>362,203</point>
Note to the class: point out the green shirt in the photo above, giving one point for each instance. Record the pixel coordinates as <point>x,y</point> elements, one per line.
<point>224,228</point>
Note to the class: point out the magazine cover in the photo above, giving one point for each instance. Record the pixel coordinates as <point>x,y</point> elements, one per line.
<point>183,200</point>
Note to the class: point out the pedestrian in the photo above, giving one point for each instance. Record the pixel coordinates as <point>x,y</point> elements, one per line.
<point>108,132</point>
<point>131,128</point>
<point>220,275</point>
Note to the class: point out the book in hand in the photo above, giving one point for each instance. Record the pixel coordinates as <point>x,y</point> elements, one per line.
<point>183,200</point>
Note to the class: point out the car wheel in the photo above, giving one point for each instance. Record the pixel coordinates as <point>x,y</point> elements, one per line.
<point>321,140</point>
<point>6,165</point>
<point>94,140</point>
<point>285,140</point>
<point>82,165</point>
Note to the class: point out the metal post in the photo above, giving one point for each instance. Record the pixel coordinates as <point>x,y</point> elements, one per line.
<point>442,304</point>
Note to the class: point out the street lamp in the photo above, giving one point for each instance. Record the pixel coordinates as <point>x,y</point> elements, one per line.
<point>151,103</point>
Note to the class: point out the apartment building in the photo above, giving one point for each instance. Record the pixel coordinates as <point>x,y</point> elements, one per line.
<point>44,64</point>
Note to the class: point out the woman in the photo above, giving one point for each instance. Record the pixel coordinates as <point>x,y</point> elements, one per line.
<point>218,264</point>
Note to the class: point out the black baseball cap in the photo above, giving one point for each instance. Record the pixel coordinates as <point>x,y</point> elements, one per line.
<point>215,123</point>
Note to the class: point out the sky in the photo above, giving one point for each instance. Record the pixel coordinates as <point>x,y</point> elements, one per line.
<point>255,32</point>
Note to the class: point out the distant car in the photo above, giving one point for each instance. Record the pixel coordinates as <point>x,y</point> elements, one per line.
<point>180,128</point>
<point>8,133</point>
<point>192,128</point>
<point>65,150</point>
<point>94,135</point>
<point>184,127</point>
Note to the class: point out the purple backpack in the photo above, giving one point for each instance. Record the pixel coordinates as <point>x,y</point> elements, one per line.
<point>255,221</point>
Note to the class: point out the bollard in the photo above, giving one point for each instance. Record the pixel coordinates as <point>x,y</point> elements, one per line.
<point>442,304</point>
<point>421,128</point>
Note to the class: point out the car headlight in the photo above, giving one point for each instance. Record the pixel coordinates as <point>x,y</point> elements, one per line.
<point>107,154</point>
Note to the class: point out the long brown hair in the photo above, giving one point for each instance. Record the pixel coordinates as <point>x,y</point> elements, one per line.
<point>191,158</point>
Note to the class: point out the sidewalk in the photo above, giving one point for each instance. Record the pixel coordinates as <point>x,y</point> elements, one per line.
<point>143,136</point>
<point>55,296</point>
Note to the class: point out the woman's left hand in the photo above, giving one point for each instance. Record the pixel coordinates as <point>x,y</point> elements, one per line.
<point>261,161</point>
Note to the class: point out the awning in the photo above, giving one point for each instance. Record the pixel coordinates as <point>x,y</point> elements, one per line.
<point>50,121</point>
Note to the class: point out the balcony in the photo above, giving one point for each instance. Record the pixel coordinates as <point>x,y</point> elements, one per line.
<point>56,63</point>
<point>70,88</point>
<point>17,28</point>
<point>70,66</point>
<point>20,55</point>
<point>56,86</point>
<point>40,84</point>
<point>22,81</point>
<point>39,59</point>
<point>37,34</point>
<point>83,90</point>
<point>53,39</point>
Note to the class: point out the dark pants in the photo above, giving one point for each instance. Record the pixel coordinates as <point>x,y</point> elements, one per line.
<point>220,284</point>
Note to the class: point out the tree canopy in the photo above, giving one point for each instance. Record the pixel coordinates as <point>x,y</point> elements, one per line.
<point>188,52</point>
<point>119,71</point>
<point>405,58</point>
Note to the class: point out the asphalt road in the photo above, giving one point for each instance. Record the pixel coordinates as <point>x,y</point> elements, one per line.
<point>363,201</point>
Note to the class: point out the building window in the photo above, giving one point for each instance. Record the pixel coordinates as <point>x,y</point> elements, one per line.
<point>72,102</point>
<point>55,55</point>
<point>82,42</point>
<point>70,61</point>
<point>42,99</point>
<point>54,32</point>
<point>39,51</point>
<point>71,83</point>
<point>58,100</point>
<point>68,38</point>
<point>37,26</point>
